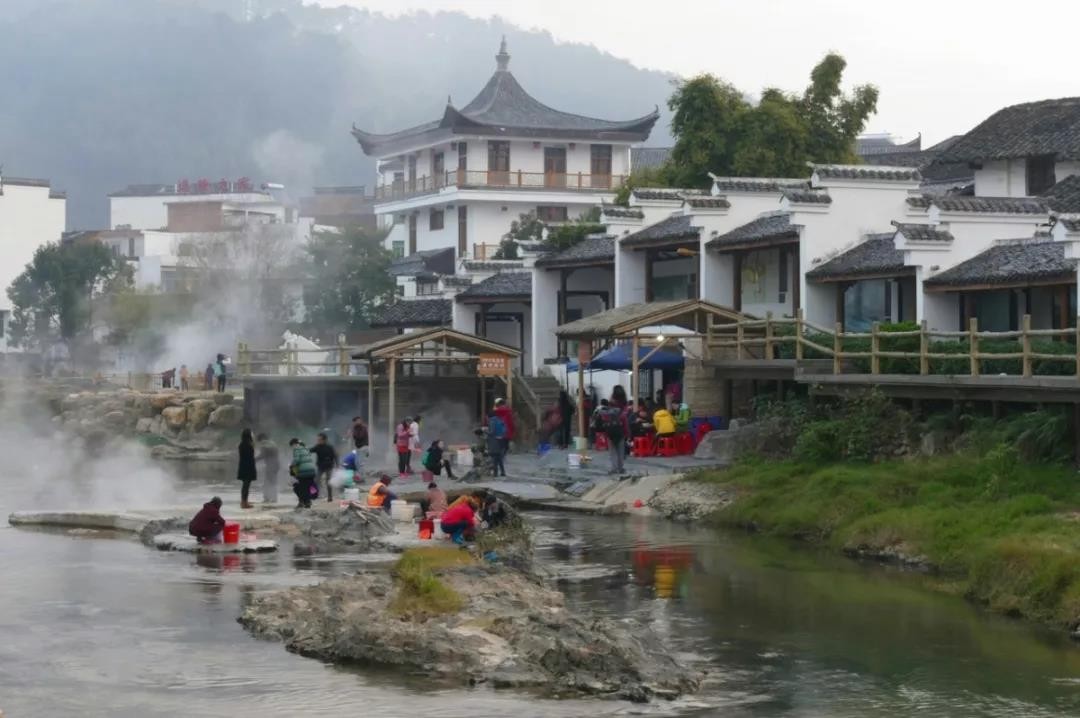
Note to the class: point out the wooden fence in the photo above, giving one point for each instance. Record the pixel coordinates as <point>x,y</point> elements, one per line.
<point>931,350</point>
<point>333,360</point>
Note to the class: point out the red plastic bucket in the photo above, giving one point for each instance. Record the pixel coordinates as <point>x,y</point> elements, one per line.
<point>231,532</point>
<point>427,529</point>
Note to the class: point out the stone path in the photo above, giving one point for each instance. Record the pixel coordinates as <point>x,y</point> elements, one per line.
<point>188,544</point>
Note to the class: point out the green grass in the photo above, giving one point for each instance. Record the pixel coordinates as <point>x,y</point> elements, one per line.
<point>997,528</point>
<point>420,590</point>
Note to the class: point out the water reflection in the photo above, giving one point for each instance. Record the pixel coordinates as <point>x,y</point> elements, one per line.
<point>666,569</point>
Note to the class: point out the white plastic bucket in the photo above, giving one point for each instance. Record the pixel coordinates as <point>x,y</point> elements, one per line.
<point>574,460</point>
<point>402,510</point>
<point>464,457</point>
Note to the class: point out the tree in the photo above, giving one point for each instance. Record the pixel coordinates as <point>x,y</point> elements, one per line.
<point>349,278</point>
<point>54,295</point>
<point>567,235</point>
<point>526,228</point>
<point>717,130</point>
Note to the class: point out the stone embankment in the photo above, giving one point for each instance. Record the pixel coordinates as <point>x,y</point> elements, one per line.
<point>177,424</point>
<point>512,632</point>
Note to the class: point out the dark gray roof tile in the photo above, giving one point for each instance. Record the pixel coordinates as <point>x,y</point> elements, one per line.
<point>614,210</point>
<point>674,228</point>
<point>922,232</point>
<point>1048,127</point>
<point>766,229</point>
<point>708,202</point>
<point>408,313</point>
<point>724,185</point>
<point>503,284</point>
<point>1072,225</point>
<point>868,172</point>
<point>993,205</point>
<point>438,261</point>
<point>875,256</point>
<point>1009,264</point>
<point>1064,197</point>
<point>920,201</point>
<point>648,157</point>
<point>668,193</point>
<point>591,250</point>
<point>883,145</point>
<point>806,196</point>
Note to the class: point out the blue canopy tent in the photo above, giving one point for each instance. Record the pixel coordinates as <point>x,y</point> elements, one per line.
<point>620,356</point>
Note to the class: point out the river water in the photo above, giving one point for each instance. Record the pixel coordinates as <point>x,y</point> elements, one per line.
<point>97,625</point>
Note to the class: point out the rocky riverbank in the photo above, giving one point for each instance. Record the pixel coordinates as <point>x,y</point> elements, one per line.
<point>509,631</point>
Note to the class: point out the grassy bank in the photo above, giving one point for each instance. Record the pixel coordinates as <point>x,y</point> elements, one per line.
<point>998,517</point>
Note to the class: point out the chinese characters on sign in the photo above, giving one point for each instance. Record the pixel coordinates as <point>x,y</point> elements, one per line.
<point>491,364</point>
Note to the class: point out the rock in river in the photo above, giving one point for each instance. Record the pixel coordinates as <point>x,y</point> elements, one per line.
<point>174,417</point>
<point>226,417</point>
<point>512,631</point>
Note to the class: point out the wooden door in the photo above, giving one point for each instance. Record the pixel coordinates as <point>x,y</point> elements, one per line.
<point>554,166</point>
<point>412,233</point>
<point>462,230</point>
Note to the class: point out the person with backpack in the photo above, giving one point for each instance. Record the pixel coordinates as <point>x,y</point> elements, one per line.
<point>611,419</point>
<point>504,412</point>
<point>303,470</point>
<point>434,459</point>
<point>496,444</point>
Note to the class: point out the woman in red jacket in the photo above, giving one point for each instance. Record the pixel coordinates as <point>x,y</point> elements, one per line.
<point>503,411</point>
<point>459,522</point>
<point>208,524</point>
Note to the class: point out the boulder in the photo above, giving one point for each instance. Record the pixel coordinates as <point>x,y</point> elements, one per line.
<point>144,424</point>
<point>174,417</point>
<point>116,419</point>
<point>226,417</point>
<point>198,413</point>
<point>223,399</point>
<point>164,399</point>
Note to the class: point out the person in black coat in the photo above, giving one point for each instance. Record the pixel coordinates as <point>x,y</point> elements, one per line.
<point>245,469</point>
<point>566,409</point>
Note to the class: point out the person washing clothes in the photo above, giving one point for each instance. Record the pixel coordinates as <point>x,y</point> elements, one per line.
<point>459,521</point>
<point>303,470</point>
<point>208,524</point>
<point>380,496</point>
<point>434,459</point>
<point>326,460</point>
<point>435,501</point>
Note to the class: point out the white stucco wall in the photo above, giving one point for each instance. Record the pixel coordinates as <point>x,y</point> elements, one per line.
<point>1002,178</point>
<point>28,219</point>
<point>763,297</point>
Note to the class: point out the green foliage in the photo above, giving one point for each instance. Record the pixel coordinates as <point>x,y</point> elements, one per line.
<point>644,177</point>
<point>717,130</point>
<point>348,277</point>
<point>566,235</point>
<point>526,228</point>
<point>996,524</point>
<point>420,590</point>
<point>54,295</point>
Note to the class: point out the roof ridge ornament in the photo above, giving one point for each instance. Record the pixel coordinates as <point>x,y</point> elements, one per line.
<point>502,60</point>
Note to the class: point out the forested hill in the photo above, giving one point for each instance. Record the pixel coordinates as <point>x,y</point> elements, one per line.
<point>98,94</point>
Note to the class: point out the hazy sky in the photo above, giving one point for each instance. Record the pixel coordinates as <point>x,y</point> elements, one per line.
<point>941,66</point>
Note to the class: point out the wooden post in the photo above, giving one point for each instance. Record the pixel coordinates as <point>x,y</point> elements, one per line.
<point>581,386</point>
<point>634,368</point>
<point>798,334</point>
<point>371,404</point>
<point>924,349</point>
<point>768,336</point>
<point>1025,340</point>
<point>875,347</point>
<point>738,339</point>
<point>483,397</point>
<point>1076,339</point>
<point>390,402</point>
<point>343,359</point>
<point>509,383</point>
<point>838,348</point>
<point>973,342</point>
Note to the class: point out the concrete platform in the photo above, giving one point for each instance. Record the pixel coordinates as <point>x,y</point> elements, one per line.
<point>188,544</point>
<point>134,521</point>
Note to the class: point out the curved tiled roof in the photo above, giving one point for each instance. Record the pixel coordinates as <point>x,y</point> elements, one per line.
<point>614,210</point>
<point>1064,196</point>
<point>591,250</point>
<point>675,227</point>
<point>708,202</point>
<point>503,107</point>
<point>922,232</point>
<point>766,229</point>
<point>996,205</point>
<point>669,193</point>
<point>806,196</point>
<point>648,157</point>
<point>867,172</point>
<point>408,313</point>
<point>1048,127</point>
<point>875,256</point>
<point>503,284</point>
<point>1009,263</point>
<point>724,185</point>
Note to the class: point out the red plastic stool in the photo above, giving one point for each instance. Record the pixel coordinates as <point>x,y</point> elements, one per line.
<point>600,441</point>
<point>667,445</point>
<point>685,442</point>
<point>643,446</point>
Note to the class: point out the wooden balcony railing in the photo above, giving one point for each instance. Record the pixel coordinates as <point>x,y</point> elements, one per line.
<point>895,350</point>
<point>494,179</point>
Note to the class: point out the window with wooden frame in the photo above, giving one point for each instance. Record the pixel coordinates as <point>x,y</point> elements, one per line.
<point>547,213</point>
<point>600,165</point>
<point>436,219</point>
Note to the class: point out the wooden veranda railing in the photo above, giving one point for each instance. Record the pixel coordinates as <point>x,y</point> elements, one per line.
<point>335,360</point>
<point>891,349</point>
<point>499,179</point>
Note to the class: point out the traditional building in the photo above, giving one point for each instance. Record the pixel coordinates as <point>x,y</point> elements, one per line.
<point>459,181</point>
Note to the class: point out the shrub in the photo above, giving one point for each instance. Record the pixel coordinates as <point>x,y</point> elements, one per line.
<point>420,590</point>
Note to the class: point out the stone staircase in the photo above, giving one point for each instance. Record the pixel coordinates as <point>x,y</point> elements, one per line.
<point>532,396</point>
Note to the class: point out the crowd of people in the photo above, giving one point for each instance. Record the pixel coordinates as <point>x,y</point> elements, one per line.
<point>213,379</point>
